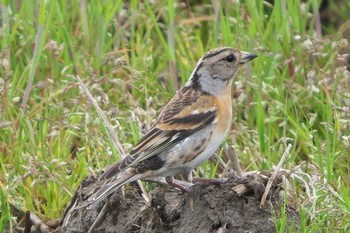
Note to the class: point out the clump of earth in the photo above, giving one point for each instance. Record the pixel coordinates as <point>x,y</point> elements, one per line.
<point>233,206</point>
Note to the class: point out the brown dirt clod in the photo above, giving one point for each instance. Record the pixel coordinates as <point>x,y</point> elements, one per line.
<point>206,208</point>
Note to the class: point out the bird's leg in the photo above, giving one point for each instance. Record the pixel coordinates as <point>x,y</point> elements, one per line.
<point>177,184</point>
<point>190,177</point>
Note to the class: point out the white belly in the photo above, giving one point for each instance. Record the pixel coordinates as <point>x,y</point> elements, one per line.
<point>183,156</point>
<point>208,152</point>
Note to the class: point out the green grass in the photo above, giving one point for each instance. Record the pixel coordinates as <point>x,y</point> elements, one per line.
<point>296,91</point>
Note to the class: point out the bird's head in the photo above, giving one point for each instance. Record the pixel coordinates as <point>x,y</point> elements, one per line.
<point>216,69</point>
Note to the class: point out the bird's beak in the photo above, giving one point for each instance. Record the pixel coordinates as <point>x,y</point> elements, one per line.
<point>246,57</point>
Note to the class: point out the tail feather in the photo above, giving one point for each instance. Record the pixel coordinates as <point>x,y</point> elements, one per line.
<point>106,190</point>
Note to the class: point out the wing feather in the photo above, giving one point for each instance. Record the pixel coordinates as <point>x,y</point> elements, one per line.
<point>188,112</point>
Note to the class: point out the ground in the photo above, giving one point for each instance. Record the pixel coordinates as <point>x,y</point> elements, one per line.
<point>206,208</point>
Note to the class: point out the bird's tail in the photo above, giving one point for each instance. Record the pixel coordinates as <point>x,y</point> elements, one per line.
<point>106,189</point>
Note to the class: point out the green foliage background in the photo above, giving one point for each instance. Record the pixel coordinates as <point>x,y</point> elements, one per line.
<point>134,55</point>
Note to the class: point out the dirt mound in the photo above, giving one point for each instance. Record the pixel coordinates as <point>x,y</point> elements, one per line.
<point>206,208</point>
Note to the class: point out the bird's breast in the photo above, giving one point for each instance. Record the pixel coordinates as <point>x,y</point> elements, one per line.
<point>211,137</point>
<point>224,113</point>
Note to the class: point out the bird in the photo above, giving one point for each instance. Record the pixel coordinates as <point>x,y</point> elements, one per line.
<point>188,130</point>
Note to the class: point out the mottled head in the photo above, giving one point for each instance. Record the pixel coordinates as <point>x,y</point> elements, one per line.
<point>216,69</point>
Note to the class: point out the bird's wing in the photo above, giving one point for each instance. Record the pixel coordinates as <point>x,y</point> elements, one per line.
<point>188,112</point>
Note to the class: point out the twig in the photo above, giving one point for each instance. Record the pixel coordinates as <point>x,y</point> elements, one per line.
<point>171,47</point>
<point>235,162</point>
<point>111,133</point>
<point>68,212</point>
<point>5,124</point>
<point>274,174</point>
<point>100,217</point>
<point>318,23</point>
<point>39,224</point>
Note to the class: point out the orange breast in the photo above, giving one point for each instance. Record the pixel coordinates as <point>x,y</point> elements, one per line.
<point>224,110</point>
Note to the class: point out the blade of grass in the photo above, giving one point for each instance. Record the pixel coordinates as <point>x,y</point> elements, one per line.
<point>40,38</point>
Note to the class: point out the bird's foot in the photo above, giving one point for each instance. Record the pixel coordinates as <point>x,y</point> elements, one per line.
<point>183,186</point>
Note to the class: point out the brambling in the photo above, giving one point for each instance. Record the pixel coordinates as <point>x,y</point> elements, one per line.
<point>189,129</point>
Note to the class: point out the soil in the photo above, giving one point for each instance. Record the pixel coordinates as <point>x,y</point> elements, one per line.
<point>205,208</point>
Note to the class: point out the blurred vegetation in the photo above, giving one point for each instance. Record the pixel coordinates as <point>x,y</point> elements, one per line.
<point>134,55</point>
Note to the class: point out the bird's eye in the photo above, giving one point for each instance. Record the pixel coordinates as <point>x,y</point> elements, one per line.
<point>230,58</point>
